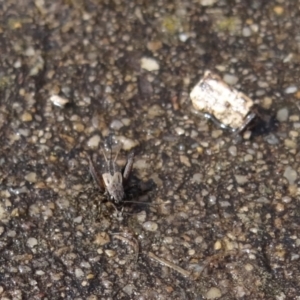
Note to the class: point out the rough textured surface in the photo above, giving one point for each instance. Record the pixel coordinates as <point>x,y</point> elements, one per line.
<point>212,95</point>
<point>219,220</point>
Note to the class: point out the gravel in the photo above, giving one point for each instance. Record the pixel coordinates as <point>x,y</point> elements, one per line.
<point>204,216</point>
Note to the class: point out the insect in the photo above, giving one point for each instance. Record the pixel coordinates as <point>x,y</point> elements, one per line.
<point>112,180</point>
<point>222,104</point>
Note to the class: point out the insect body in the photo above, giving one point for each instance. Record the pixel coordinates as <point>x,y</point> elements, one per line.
<point>112,180</point>
<point>225,106</point>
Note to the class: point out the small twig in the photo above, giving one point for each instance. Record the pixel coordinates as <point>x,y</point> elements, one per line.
<point>169,264</point>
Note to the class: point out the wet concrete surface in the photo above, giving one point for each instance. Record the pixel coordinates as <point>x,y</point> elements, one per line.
<point>208,218</point>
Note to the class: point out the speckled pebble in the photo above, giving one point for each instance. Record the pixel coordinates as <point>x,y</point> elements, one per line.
<point>150,226</point>
<point>94,141</point>
<point>31,177</point>
<point>31,242</point>
<point>149,64</point>
<point>290,174</point>
<point>282,114</point>
<point>213,293</point>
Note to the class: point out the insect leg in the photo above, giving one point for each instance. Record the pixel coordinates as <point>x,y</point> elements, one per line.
<point>217,122</point>
<point>248,119</point>
<point>128,166</point>
<point>98,179</point>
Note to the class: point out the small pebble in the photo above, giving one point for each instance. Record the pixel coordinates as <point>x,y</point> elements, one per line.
<point>241,179</point>
<point>150,226</point>
<point>110,253</point>
<point>141,217</point>
<point>197,178</point>
<point>282,114</point>
<point>179,130</point>
<point>24,270</point>
<point>271,139</point>
<point>279,10</point>
<point>286,199</point>
<point>116,125</point>
<point>280,207</point>
<point>291,89</point>
<point>217,245</point>
<point>31,177</point>
<point>208,2</point>
<point>249,267</point>
<point>232,150</point>
<point>183,37</point>
<point>149,64</point>
<point>216,133</point>
<point>26,117</point>
<point>102,238</point>
<point>294,118</point>
<point>127,144</point>
<point>79,127</point>
<point>248,157</point>
<point>154,45</point>
<point>79,273</point>
<point>246,32</point>
<point>94,141</point>
<point>290,144</point>
<point>213,293</point>
<point>155,111</point>
<point>78,219</point>
<point>126,121</point>
<point>31,242</point>
<point>230,79</point>
<point>58,100</point>
<point>290,174</point>
<point>185,160</point>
